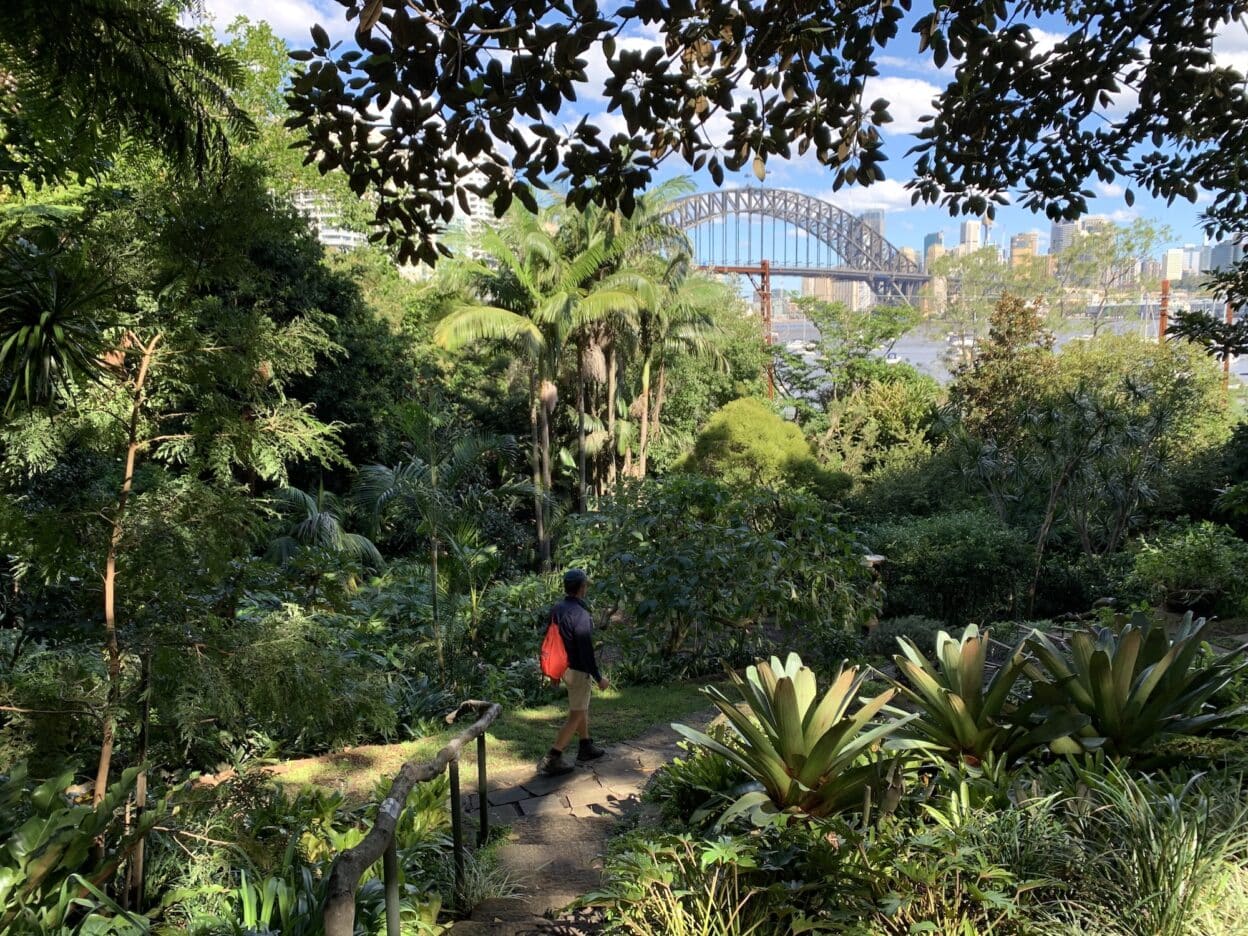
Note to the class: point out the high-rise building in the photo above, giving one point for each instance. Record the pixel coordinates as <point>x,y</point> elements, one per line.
<point>910,254</point>
<point>479,215</point>
<point>1172,264</point>
<point>1226,254</point>
<point>1062,234</point>
<point>1191,258</point>
<point>857,296</point>
<point>874,220</point>
<point>323,218</point>
<point>972,234</point>
<point>1024,248</point>
<point>1093,223</point>
<point>935,240</point>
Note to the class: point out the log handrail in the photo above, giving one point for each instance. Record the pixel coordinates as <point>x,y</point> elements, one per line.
<point>350,865</point>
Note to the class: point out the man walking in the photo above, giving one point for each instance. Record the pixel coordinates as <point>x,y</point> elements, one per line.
<point>576,627</point>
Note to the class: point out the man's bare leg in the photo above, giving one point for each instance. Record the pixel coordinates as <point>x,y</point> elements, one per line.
<point>576,724</point>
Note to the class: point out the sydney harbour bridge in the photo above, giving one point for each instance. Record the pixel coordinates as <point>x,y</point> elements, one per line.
<point>766,233</point>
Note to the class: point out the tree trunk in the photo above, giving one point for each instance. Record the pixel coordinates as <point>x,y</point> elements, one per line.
<point>644,439</point>
<point>433,605</point>
<point>660,394</point>
<point>1096,319</point>
<point>135,878</point>
<point>1046,526</point>
<point>543,414</point>
<point>539,500</point>
<point>611,415</point>
<point>580,426</point>
<point>112,649</point>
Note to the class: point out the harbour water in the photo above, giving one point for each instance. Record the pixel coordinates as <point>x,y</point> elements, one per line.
<point>929,347</point>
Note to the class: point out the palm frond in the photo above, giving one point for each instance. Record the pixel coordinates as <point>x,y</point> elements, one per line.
<point>467,324</point>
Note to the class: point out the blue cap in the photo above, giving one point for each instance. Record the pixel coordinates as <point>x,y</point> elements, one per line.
<point>573,579</point>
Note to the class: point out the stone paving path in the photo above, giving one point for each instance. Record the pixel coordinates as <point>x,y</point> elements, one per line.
<point>559,827</point>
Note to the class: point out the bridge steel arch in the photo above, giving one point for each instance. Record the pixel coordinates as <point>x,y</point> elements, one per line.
<point>865,253</point>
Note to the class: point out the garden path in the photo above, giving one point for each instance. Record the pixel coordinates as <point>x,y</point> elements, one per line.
<point>558,831</point>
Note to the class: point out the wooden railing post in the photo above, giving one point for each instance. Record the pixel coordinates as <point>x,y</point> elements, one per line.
<point>457,831</point>
<point>483,801</point>
<point>390,872</point>
<point>350,865</point>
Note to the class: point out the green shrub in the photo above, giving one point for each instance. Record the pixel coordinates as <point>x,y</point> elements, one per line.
<point>51,875</point>
<point>1130,687</point>
<point>835,647</point>
<point>513,615</point>
<point>1071,584</point>
<point>1198,567</point>
<point>959,567</point>
<point>678,885</point>
<point>1156,848</point>
<point>960,713</point>
<point>920,631</point>
<point>746,444</point>
<point>690,570</point>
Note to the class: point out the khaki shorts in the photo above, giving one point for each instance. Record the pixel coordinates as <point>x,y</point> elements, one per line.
<point>578,684</point>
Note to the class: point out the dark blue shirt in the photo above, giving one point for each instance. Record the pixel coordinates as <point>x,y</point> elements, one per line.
<point>576,627</point>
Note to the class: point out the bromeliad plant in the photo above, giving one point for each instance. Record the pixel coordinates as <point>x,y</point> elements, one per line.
<point>963,715</point>
<point>810,755</point>
<point>1132,686</point>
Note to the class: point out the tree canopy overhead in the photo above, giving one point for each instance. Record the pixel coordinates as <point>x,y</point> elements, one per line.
<point>437,87</point>
<point>81,79</point>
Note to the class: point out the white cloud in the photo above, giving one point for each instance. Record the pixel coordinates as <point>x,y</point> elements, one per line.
<point>918,64</point>
<point>1110,189</point>
<point>888,195</point>
<point>908,100</point>
<point>596,70</point>
<point>1045,40</point>
<point>1230,45</point>
<point>290,19</point>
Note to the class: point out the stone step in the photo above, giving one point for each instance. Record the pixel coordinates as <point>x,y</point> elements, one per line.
<point>514,916</point>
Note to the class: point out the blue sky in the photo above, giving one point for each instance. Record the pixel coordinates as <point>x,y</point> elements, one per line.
<point>909,83</point>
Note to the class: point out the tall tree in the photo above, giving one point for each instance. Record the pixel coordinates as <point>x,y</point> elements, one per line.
<point>676,317</point>
<point>82,78</point>
<point>545,291</point>
<point>186,395</point>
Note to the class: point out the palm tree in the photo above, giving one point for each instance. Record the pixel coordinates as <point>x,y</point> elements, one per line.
<point>433,489</point>
<point>507,305</point>
<point>537,291</point>
<point>635,242</point>
<point>678,318</point>
<point>317,523</point>
<point>473,566</point>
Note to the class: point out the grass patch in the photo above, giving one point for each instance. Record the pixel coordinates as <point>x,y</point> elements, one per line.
<point>515,742</point>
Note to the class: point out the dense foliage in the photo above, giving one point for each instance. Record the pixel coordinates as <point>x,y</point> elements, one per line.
<point>260,501</point>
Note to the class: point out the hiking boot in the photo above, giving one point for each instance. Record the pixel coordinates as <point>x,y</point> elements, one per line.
<point>589,751</point>
<point>553,765</point>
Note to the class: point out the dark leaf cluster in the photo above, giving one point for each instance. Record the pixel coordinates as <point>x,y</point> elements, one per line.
<point>438,88</point>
